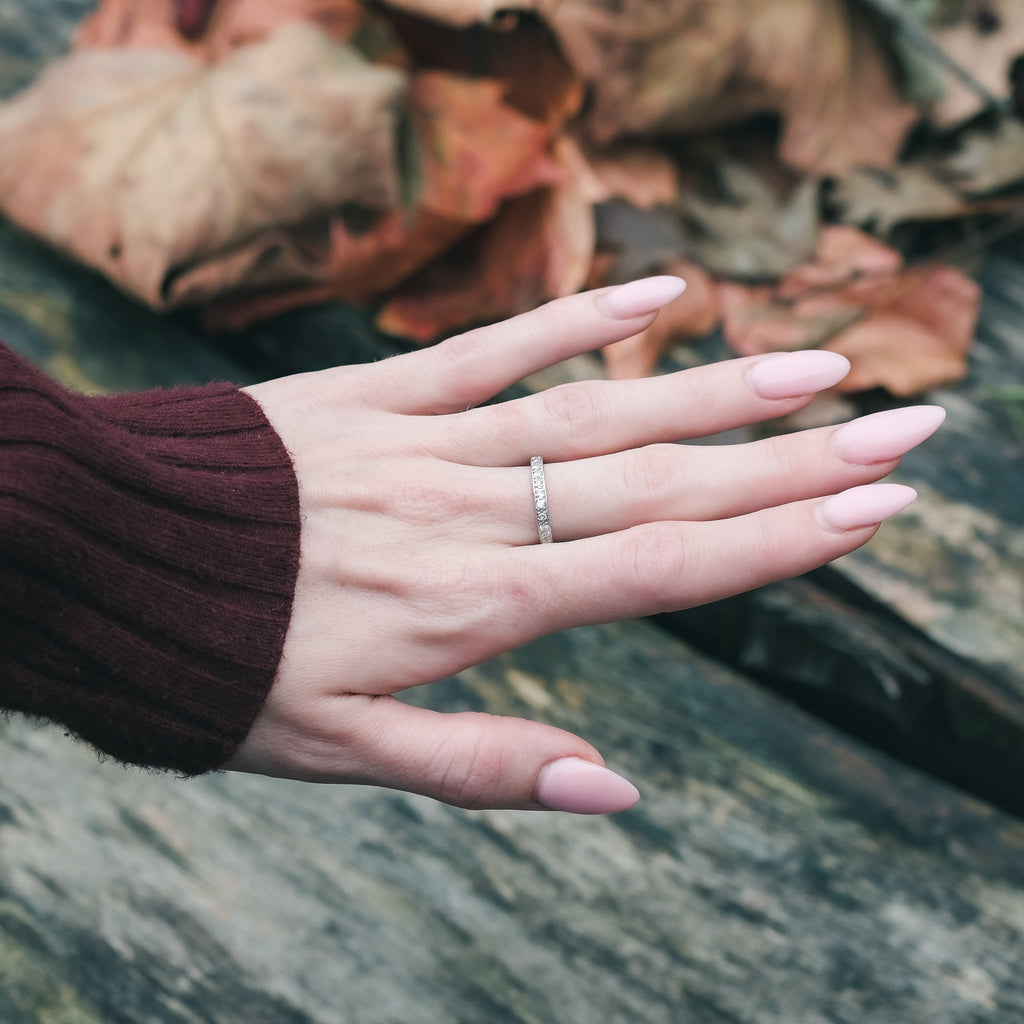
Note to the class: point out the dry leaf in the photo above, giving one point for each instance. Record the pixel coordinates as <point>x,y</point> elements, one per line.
<point>520,53</point>
<point>229,24</point>
<point>179,180</point>
<point>847,262</point>
<point>747,231</point>
<point>879,200</point>
<point>986,48</point>
<point>989,157</point>
<point>475,149</point>
<point>643,176</point>
<point>902,329</point>
<point>539,247</point>
<point>669,68</point>
<point>498,272</point>
<point>660,68</point>
<point>475,152</point>
<point>898,354</point>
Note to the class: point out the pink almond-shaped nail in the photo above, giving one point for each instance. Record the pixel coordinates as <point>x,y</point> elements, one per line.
<point>582,787</point>
<point>887,435</point>
<point>639,298</point>
<point>795,374</point>
<point>867,505</point>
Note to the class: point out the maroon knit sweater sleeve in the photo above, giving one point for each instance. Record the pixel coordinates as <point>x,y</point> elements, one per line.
<point>149,546</point>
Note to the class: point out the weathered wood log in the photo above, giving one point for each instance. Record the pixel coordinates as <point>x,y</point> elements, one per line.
<point>774,872</point>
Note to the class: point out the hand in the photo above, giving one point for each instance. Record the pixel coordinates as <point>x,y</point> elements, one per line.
<point>420,553</point>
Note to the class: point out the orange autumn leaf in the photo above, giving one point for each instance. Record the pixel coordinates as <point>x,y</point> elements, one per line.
<point>475,149</point>
<point>539,247</point>
<point>230,25</point>
<point>475,152</point>
<point>903,329</point>
<point>917,337</point>
<point>666,68</point>
<point>522,54</point>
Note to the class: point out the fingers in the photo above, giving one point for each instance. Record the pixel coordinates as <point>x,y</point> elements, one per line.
<point>684,482</point>
<point>473,367</point>
<point>576,421</point>
<point>469,760</point>
<point>665,566</point>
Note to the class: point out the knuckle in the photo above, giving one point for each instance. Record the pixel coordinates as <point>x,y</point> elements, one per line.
<point>654,559</point>
<point>650,475</point>
<point>782,460</point>
<point>465,768</point>
<point>571,410</point>
<point>431,502</point>
<point>424,502</point>
<point>769,545</point>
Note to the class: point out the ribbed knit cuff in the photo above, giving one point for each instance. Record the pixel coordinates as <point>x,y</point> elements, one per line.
<point>149,546</point>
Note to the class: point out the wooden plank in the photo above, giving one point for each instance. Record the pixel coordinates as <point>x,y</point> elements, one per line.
<point>774,872</point>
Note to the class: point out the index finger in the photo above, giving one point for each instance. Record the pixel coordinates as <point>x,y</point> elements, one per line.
<point>471,368</point>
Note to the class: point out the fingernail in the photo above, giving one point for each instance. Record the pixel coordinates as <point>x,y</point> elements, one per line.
<point>638,298</point>
<point>582,787</point>
<point>886,435</point>
<point>794,374</point>
<point>864,506</point>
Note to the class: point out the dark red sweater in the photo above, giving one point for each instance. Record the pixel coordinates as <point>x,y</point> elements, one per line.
<point>149,546</point>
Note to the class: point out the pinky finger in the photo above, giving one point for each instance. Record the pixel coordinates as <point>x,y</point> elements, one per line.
<point>669,566</point>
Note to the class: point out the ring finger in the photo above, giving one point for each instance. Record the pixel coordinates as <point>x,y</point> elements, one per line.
<point>660,482</point>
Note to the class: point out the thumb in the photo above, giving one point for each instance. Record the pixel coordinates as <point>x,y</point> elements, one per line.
<point>476,760</point>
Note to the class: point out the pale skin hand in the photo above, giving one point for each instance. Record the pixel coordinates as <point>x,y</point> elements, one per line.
<point>419,553</point>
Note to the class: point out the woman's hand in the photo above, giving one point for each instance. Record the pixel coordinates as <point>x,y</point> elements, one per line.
<point>420,553</point>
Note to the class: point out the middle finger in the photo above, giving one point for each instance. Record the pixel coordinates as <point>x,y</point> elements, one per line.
<point>575,421</point>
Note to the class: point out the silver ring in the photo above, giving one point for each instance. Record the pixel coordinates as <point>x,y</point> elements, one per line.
<point>540,499</point>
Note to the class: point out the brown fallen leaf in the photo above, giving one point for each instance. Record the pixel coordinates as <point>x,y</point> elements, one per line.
<point>898,354</point>
<point>848,264</point>
<point>666,68</point>
<point>475,149</point>
<point>881,200</point>
<point>657,68</point>
<point>539,247</point>
<point>475,153</point>
<point>226,24</point>
<point>644,176</point>
<point>984,40</point>
<point>177,180</point>
<point>903,329</point>
<point>520,53</point>
<point>747,231</point>
<point>355,267</point>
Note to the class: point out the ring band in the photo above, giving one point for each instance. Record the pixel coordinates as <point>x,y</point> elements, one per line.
<point>540,499</point>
